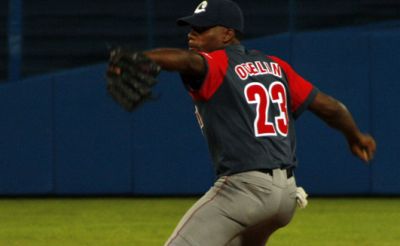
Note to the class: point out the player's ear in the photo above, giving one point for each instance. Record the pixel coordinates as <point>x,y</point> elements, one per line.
<point>229,35</point>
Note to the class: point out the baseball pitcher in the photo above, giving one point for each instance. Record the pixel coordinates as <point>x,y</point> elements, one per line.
<point>246,103</point>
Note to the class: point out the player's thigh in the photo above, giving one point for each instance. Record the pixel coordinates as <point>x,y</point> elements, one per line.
<point>288,203</point>
<point>279,208</point>
<point>206,230</point>
<point>255,236</point>
<point>207,222</point>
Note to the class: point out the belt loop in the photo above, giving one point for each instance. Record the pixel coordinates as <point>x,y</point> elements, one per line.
<point>290,172</point>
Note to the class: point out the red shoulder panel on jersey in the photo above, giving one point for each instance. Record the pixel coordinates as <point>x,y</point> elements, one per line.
<point>299,88</point>
<point>217,64</point>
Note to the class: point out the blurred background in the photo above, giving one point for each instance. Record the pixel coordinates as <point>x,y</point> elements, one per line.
<point>61,134</point>
<point>54,35</point>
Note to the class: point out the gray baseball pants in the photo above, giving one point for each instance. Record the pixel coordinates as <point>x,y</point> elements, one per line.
<point>242,209</point>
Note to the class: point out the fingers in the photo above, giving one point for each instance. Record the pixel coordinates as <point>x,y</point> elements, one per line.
<point>366,149</point>
<point>370,147</point>
<point>362,154</point>
<point>365,156</point>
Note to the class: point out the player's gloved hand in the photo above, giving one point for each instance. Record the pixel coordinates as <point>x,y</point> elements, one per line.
<point>301,197</point>
<point>131,76</point>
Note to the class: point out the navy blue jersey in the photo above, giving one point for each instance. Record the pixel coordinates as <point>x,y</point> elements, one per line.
<point>246,108</point>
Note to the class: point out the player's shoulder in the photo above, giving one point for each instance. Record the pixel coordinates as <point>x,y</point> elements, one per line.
<point>220,53</point>
<point>276,59</point>
<point>262,54</point>
<point>282,63</point>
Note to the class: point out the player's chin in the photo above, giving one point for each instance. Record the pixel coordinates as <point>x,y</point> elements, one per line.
<point>193,48</point>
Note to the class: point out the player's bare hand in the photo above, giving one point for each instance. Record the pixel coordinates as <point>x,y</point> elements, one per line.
<point>364,147</point>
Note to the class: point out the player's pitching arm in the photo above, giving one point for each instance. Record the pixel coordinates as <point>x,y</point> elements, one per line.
<point>183,61</point>
<point>336,115</point>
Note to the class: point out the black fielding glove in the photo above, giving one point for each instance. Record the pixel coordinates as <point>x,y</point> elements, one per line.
<point>130,77</point>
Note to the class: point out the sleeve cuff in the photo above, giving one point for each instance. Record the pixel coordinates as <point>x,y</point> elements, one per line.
<point>307,102</point>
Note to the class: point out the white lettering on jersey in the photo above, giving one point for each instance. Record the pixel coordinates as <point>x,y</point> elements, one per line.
<point>256,68</point>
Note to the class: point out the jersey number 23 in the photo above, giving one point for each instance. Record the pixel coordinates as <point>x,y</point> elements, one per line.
<point>265,123</point>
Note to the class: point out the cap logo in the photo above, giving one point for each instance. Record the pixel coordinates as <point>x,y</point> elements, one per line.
<point>201,8</point>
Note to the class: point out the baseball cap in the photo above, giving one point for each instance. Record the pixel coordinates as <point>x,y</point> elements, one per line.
<point>215,13</point>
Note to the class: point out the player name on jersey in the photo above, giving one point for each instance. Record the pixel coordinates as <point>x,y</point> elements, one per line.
<point>255,68</point>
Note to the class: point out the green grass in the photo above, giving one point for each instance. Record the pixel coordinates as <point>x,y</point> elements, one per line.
<point>148,222</point>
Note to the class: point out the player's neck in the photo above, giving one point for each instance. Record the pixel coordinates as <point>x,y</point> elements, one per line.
<point>233,41</point>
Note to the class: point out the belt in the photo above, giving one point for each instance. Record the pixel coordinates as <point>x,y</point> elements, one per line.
<point>289,171</point>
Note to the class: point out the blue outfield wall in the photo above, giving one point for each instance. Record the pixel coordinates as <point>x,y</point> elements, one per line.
<point>61,134</point>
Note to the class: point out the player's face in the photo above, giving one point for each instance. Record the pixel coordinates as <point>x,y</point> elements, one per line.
<point>207,38</point>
